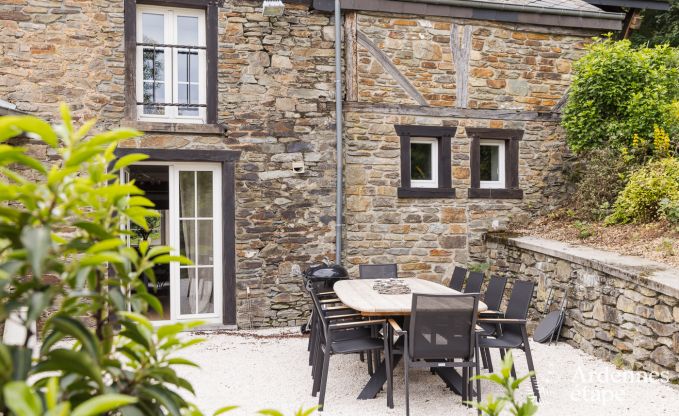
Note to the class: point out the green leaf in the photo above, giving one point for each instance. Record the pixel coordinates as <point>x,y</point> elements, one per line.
<point>105,245</point>
<point>163,397</point>
<point>70,361</point>
<point>21,400</point>
<point>101,258</point>
<point>94,229</point>
<point>10,125</point>
<point>63,409</point>
<point>224,410</point>
<point>182,361</point>
<point>37,240</point>
<point>102,404</point>
<point>128,160</point>
<point>52,393</point>
<point>74,328</point>
<point>270,412</point>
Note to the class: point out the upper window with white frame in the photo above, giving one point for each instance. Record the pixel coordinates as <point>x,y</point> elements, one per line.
<point>171,64</point>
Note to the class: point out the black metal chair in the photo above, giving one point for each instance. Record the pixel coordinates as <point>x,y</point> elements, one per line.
<point>492,297</point>
<point>442,334</point>
<point>494,293</point>
<point>457,280</point>
<point>377,271</point>
<point>512,332</point>
<point>339,335</point>
<point>474,282</point>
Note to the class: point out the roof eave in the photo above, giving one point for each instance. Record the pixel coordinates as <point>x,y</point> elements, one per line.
<point>486,11</point>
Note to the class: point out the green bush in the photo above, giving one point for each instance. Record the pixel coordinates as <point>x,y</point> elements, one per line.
<point>599,175</point>
<point>669,210</point>
<point>642,198</point>
<point>619,92</point>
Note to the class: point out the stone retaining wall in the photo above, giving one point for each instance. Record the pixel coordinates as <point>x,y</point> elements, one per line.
<point>618,307</point>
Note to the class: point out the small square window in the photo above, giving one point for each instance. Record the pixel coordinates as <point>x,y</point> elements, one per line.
<point>492,163</point>
<point>424,162</point>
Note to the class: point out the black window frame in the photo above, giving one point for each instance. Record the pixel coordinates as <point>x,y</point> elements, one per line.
<point>444,136</point>
<point>511,137</point>
<point>211,8</point>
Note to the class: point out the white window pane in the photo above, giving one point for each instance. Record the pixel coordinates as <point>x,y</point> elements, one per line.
<point>205,289</point>
<point>420,161</point>
<point>154,64</point>
<point>187,290</point>
<point>188,94</point>
<point>187,66</point>
<point>153,28</point>
<point>187,30</point>
<point>154,92</point>
<point>490,163</point>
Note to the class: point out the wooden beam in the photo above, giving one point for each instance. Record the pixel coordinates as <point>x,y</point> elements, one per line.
<point>471,113</point>
<point>461,45</point>
<point>631,18</point>
<point>391,69</point>
<point>350,63</point>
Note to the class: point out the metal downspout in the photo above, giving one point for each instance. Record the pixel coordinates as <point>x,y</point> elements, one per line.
<point>339,224</point>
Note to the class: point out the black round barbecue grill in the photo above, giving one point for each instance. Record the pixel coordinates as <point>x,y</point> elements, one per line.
<point>322,277</point>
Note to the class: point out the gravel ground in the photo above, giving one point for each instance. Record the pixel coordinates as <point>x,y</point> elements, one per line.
<point>268,369</point>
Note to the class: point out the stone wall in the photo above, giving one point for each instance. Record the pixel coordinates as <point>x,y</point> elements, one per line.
<point>506,66</point>
<point>426,237</point>
<point>618,307</point>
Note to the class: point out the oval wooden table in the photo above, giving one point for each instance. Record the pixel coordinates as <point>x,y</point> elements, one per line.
<point>359,295</point>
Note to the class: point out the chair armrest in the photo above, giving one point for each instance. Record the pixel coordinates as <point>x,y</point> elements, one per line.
<point>356,324</point>
<point>326,295</point>
<point>491,312</point>
<point>501,321</point>
<point>345,316</point>
<point>338,308</point>
<point>396,327</point>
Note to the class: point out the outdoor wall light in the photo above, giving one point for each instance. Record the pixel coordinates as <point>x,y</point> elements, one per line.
<point>273,8</point>
<point>298,167</point>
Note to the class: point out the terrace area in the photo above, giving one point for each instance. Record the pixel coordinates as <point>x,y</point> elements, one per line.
<point>268,369</point>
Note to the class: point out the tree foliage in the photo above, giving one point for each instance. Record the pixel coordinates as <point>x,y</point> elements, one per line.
<point>659,27</point>
<point>620,92</point>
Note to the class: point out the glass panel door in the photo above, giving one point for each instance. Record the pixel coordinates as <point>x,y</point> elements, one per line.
<point>196,233</point>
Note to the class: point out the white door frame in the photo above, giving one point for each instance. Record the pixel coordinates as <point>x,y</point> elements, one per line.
<point>218,275</point>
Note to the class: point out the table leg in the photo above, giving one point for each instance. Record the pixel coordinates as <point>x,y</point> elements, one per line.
<point>379,377</point>
<point>452,378</point>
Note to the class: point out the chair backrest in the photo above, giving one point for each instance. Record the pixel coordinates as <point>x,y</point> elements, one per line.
<point>474,282</point>
<point>319,314</point>
<point>494,292</point>
<point>518,304</point>
<point>457,281</point>
<point>377,271</point>
<point>442,326</point>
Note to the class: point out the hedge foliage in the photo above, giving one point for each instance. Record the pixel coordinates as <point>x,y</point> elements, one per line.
<point>650,194</point>
<point>619,92</point>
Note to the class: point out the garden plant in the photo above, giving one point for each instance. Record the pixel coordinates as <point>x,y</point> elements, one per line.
<point>65,264</point>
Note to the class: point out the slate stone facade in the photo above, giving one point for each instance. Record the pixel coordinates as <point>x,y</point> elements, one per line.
<point>276,106</point>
